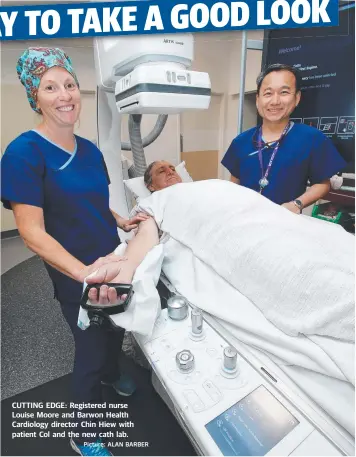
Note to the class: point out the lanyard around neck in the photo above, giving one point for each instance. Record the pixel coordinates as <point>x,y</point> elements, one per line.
<point>263,182</point>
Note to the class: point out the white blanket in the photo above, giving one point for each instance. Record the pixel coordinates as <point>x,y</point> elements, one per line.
<point>279,282</point>
<point>298,271</point>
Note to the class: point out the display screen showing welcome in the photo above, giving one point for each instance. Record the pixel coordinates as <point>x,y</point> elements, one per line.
<point>326,60</point>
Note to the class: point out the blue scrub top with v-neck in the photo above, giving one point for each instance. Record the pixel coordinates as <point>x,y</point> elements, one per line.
<point>305,155</point>
<point>73,191</point>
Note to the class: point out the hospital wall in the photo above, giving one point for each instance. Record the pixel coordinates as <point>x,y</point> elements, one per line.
<point>207,135</point>
<point>199,138</point>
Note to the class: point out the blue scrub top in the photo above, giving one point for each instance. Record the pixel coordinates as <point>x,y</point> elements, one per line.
<point>73,191</point>
<point>305,154</point>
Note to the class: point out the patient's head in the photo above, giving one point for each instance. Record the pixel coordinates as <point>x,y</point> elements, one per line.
<point>159,175</point>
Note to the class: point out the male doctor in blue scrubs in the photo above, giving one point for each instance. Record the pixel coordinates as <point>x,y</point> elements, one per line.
<point>279,158</point>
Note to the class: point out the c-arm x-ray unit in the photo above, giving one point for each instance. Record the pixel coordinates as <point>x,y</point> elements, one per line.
<point>229,398</point>
<point>142,75</point>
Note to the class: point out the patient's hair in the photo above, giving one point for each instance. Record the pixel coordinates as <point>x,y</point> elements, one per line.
<point>147,177</point>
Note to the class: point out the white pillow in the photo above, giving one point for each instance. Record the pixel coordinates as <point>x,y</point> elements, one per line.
<point>139,190</point>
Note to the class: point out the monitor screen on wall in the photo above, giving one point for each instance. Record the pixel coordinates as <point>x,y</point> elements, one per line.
<point>326,60</point>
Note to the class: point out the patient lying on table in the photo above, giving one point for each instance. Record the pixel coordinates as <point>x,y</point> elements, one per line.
<point>286,264</point>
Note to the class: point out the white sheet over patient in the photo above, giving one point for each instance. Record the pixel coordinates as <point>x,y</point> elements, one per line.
<point>270,277</point>
<point>297,270</point>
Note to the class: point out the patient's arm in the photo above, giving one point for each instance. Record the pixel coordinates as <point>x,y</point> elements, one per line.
<point>123,272</point>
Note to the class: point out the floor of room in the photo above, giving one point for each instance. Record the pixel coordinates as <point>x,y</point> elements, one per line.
<point>13,252</point>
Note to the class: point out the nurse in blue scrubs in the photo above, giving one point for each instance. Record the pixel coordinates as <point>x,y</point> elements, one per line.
<point>279,158</point>
<point>57,186</point>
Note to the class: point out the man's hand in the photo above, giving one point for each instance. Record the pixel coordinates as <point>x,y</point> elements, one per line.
<point>130,224</point>
<point>119,272</point>
<point>291,207</point>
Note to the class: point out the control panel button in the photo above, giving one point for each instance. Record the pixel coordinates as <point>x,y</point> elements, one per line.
<point>194,400</point>
<point>230,359</point>
<point>197,321</point>
<point>213,392</point>
<point>185,361</point>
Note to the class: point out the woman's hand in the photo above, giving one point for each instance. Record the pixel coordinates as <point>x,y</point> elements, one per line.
<point>88,270</point>
<point>118,272</point>
<point>130,224</point>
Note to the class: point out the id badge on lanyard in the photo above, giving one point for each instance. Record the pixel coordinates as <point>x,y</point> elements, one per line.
<point>263,182</point>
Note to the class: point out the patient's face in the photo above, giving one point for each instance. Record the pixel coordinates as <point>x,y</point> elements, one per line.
<point>163,175</point>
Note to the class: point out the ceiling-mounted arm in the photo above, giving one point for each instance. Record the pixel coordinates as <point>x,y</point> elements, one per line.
<point>143,74</point>
<point>152,136</point>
